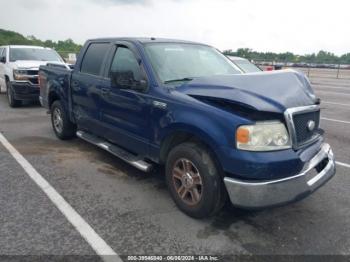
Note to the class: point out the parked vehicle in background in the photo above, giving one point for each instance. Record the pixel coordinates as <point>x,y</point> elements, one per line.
<point>254,138</point>
<point>244,64</point>
<point>19,66</point>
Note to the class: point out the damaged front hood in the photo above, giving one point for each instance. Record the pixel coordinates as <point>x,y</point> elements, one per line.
<point>267,91</point>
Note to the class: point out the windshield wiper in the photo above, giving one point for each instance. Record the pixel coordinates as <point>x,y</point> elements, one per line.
<point>178,80</point>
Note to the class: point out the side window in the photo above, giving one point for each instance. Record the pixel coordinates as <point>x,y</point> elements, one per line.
<point>125,69</point>
<point>93,58</point>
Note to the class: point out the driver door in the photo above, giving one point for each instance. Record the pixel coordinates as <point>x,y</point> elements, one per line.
<point>125,109</point>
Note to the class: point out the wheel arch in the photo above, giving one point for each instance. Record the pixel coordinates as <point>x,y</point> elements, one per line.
<point>186,133</point>
<point>52,97</point>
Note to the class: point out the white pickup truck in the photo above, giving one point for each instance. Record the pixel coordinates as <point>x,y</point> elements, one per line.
<point>19,66</point>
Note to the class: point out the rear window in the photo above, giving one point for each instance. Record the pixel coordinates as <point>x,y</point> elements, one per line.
<point>93,59</point>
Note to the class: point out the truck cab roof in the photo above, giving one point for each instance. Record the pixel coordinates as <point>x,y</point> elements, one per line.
<point>143,40</point>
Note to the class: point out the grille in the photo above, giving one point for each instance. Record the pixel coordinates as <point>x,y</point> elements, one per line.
<point>33,76</point>
<point>303,134</point>
<point>34,81</point>
<point>32,72</point>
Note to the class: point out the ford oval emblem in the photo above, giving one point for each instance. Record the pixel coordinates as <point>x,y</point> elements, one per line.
<point>311,125</point>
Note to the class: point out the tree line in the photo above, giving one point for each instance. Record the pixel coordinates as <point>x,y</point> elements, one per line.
<point>322,57</point>
<point>14,38</point>
<point>68,46</point>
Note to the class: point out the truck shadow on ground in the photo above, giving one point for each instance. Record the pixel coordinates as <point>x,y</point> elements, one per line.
<point>113,166</point>
<point>31,104</point>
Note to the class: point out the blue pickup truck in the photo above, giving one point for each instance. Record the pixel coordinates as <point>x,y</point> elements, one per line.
<point>220,134</point>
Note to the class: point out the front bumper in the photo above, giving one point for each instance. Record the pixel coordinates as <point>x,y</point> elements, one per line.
<point>268,193</point>
<point>25,90</point>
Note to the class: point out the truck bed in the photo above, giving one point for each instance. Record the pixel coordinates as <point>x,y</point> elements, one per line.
<point>54,77</point>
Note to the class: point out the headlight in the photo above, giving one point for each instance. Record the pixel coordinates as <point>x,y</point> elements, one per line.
<point>20,75</point>
<point>263,136</point>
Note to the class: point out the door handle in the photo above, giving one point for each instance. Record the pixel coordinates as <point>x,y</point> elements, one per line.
<point>105,91</point>
<point>75,85</point>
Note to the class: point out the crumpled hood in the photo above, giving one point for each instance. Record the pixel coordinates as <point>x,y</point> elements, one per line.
<point>29,64</point>
<point>267,91</point>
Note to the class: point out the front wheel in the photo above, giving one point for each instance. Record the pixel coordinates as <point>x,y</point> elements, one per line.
<point>10,96</point>
<point>62,126</point>
<point>194,180</point>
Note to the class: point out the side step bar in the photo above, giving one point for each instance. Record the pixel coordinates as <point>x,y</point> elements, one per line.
<point>115,150</point>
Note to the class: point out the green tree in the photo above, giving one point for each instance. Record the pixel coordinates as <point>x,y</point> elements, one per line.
<point>13,38</point>
<point>320,57</point>
<point>345,59</point>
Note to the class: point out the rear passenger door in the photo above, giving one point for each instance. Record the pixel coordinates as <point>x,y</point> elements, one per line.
<point>86,87</point>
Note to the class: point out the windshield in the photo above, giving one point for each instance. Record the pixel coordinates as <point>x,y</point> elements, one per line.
<point>36,54</point>
<point>182,62</point>
<point>246,66</point>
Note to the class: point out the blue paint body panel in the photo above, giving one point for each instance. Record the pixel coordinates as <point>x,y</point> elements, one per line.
<point>135,121</point>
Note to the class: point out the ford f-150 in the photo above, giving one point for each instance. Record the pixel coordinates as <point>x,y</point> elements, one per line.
<point>253,138</point>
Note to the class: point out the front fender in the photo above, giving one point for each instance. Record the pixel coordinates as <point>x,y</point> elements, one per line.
<point>195,131</point>
<point>211,130</point>
<point>208,123</point>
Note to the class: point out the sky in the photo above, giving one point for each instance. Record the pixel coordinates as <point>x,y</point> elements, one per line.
<point>298,26</point>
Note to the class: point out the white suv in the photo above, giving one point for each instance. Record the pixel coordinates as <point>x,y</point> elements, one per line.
<point>19,66</point>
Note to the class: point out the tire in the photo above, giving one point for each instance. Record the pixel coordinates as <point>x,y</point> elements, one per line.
<point>190,167</point>
<point>10,96</point>
<point>62,126</point>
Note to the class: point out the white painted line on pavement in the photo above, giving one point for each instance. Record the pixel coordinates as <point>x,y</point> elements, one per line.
<point>335,120</point>
<point>334,103</point>
<point>85,230</point>
<point>342,164</point>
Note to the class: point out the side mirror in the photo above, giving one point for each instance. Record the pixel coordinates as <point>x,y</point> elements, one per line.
<point>141,85</point>
<point>3,59</point>
<point>126,80</point>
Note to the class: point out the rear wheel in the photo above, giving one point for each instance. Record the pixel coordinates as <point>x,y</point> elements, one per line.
<point>10,96</point>
<point>62,126</point>
<point>194,180</point>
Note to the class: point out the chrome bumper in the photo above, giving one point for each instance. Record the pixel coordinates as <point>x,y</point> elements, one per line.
<point>256,195</point>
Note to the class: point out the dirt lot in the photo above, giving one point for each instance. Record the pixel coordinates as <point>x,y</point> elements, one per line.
<point>133,212</point>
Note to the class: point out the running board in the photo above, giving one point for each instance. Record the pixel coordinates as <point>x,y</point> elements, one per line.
<point>115,150</point>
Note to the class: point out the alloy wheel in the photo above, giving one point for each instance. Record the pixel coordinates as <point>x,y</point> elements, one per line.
<point>57,120</point>
<point>187,181</point>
